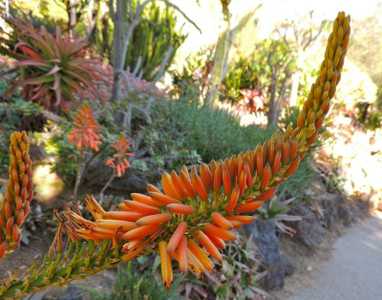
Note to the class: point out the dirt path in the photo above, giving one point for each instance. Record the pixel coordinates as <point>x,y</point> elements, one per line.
<point>354,270</point>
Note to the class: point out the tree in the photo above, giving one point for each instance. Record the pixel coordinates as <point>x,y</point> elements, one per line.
<point>267,70</point>
<point>299,35</point>
<point>126,15</point>
<point>366,45</point>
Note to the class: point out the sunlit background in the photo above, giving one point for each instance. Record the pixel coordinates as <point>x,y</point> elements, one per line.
<point>355,149</point>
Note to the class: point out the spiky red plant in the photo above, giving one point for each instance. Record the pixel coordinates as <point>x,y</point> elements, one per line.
<point>85,133</point>
<point>15,207</point>
<point>53,68</point>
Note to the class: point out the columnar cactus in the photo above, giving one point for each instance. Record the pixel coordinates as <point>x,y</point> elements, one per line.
<point>195,212</point>
<point>18,195</point>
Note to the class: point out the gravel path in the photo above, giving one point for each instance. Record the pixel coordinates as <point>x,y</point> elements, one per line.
<point>354,271</point>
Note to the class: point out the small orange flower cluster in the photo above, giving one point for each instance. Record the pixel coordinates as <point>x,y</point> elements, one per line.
<point>86,131</point>
<point>119,161</point>
<point>16,205</point>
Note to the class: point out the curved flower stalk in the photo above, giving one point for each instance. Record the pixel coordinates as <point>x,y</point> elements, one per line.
<point>15,206</point>
<point>311,117</point>
<point>195,213</point>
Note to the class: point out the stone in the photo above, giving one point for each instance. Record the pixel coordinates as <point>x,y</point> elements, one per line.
<point>345,214</point>
<point>263,234</point>
<point>309,231</point>
<point>133,181</point>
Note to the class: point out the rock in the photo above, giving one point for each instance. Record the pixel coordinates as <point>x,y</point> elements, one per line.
<point>81,289</point>
<point>345,214</point>
<point>309,231</point>
<point>133,180</point>
<point>330,203</point>
<point>287,265</point>
<point>263,234</point>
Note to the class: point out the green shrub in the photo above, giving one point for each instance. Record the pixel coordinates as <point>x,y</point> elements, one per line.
<point>213,133</point>
<point>132,284</point>
<point>270,58</point>
<point>16,114</point>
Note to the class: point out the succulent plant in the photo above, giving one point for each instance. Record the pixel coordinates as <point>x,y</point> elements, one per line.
<point>194,214</point>
<point>53,69</point>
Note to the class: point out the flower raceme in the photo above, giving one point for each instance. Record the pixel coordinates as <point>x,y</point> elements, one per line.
<point>189,220</point>
<point>16,204</point>
<point>85,133</point>
<point>311,117</point>
<point>196,212</point>
<point>119,161</point>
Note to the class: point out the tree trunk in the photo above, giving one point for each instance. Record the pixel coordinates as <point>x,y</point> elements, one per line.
<point>273,111</point>
<point>105,32</point>
<point>117,58</point>
<point>6,8</point>
<point>219,68</point>
<point>72,16</point>
<point>123,31</point>
<point>93,9</point>
<point>294,89</point>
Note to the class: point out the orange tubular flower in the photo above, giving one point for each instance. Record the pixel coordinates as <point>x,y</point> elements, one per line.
<point>85,133</point>
<point>167,274</point>
<point>194,215</point>
<point>119,161</point>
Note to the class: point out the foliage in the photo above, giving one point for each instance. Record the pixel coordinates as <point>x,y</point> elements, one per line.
<point>154,41</point>
<point>66,261</point>
<point>238,272</point>
<point>16,115</point>
<point>133,284</point>
<point>299,182</point>
<point>52,69</point>
<point>214,133</point>
<point>193,80</point>
<point>365,48</point>
<point>271,60</point>
<point>40,12</point>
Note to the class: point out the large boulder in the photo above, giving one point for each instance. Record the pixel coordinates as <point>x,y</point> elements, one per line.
<point>263,233</point>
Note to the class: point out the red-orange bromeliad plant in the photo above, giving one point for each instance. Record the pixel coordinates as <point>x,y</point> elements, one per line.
<point>194,214</point>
